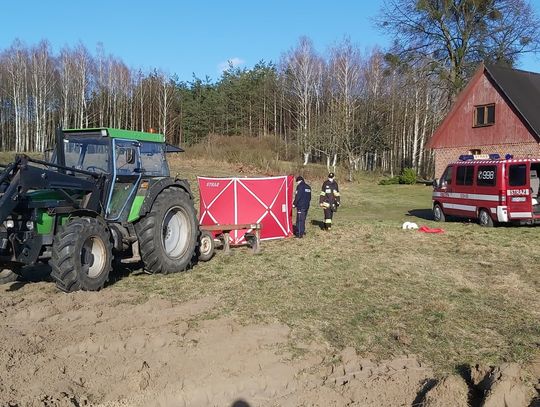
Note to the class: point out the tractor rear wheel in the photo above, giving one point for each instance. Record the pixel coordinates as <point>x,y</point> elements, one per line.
<point>82,255</point>
<point>168,234</point>
<point>7,276</point>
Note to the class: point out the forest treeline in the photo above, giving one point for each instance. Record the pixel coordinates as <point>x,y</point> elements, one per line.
<point>370,110</point>
<point>349,106</point>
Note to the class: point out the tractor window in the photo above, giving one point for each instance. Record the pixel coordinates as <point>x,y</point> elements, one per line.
<point>153,159</point>
<point>518,175</point>
<point>127,160</point>
<point>88,154</point>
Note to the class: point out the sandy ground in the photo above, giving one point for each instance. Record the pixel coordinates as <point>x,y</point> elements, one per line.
<point>115,348</point>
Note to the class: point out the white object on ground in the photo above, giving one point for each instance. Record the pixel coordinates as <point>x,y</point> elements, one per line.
<point>409,225</point>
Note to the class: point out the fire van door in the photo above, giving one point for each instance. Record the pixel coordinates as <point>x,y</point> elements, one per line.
<point>518,194</point>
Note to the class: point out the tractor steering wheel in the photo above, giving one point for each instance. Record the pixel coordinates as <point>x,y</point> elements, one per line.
<point>94,168</point>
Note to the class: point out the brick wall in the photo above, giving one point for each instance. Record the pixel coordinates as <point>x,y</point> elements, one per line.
<point>443,156</point>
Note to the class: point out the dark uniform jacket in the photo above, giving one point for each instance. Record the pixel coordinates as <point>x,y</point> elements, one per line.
<point>303,196</point>
<point>330,193</point>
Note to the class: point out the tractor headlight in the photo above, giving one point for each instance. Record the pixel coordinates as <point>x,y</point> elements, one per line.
<point>30,225</point>
<point>9,224</point>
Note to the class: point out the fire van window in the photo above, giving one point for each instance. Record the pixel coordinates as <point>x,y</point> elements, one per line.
<point>487,176</point>
<point>464,175</point>
<point>517,175</point>
<point>447,176</point>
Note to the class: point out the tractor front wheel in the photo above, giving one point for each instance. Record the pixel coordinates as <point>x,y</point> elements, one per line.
<point>168,234</point>
<point>82,255</point>
<point>7,276</point>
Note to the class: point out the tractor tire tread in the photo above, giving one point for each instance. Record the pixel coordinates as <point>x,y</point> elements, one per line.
<point>153,256</point>
<point>9,277</point>
<point>64,270</point>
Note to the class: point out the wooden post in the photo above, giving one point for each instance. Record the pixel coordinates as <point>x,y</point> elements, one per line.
<point>226,244</point>
<point>257,244</point>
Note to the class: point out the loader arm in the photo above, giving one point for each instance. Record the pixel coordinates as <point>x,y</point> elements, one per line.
<point>22,177</point>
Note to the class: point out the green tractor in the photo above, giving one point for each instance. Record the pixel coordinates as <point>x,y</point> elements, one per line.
<point>103,193</point>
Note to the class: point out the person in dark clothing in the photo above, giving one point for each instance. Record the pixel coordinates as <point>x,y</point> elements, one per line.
<point>329,199</point>
<point>301,203</point>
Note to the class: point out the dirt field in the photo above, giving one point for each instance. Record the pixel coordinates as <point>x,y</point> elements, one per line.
<point>399,319</point>
<point>119,348</point>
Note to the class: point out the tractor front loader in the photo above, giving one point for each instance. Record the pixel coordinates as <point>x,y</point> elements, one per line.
<point>105,193</point>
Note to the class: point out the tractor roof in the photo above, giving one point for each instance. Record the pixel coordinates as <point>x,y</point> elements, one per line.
<point>119,133</point>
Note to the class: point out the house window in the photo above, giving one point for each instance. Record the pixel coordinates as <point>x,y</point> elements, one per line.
<point>484,115</point>
<point>475,151</point>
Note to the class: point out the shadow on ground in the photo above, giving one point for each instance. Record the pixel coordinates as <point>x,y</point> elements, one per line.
<point>31,274</point>
<point>318,223</point>
<point>425,214</point>
<point>42,273</point>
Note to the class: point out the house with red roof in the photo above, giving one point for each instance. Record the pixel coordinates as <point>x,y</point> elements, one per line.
<point>497,112</point>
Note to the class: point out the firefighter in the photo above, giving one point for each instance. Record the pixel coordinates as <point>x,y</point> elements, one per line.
<point>329,199</point>
<point>301,203</point>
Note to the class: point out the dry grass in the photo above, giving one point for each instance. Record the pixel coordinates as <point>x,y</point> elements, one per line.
<point>267,155</point>
<point>470,295</point>
<point>7,157</point>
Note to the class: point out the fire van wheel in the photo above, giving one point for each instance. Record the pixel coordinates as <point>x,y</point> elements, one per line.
<point>7,276</point>
<point>438,213</point>
<point>168,234</point>
<point>484,218</point>
<point>206,246</point>
<point>82,255</point>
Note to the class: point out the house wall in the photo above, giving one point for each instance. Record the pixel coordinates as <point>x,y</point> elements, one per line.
<point>457,136</point>
<point>443,156</point>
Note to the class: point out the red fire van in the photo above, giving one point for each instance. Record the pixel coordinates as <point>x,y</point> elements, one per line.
<point>490,189</point>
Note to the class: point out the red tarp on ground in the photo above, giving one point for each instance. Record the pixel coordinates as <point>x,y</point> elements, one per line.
<point>235,201</point>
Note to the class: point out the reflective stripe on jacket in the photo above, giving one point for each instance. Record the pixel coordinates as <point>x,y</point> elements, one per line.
<point>329,192</point>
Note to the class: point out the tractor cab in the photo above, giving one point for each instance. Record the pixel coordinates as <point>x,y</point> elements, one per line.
<point>103,189</point>
<point>124,158</point>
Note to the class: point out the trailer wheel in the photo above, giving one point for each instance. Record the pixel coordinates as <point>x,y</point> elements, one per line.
<point>8,276</point>
<point>82,255</point>
<point>168,234</point>
<point>484,218</point>
<point>438,213</point>
<point>206,246</point>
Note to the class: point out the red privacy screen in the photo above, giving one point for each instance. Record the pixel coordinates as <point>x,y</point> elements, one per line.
<point>265,200</point>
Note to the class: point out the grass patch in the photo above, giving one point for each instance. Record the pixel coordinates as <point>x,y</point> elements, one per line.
<point>470,295</point>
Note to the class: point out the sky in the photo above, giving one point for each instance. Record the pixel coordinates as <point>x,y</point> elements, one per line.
<point>197,37</point>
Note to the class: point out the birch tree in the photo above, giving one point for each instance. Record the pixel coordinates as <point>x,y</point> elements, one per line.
<point>42,85</point>
<point>16,62</point>
<point>303,70</point>
<point>345,71</point>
